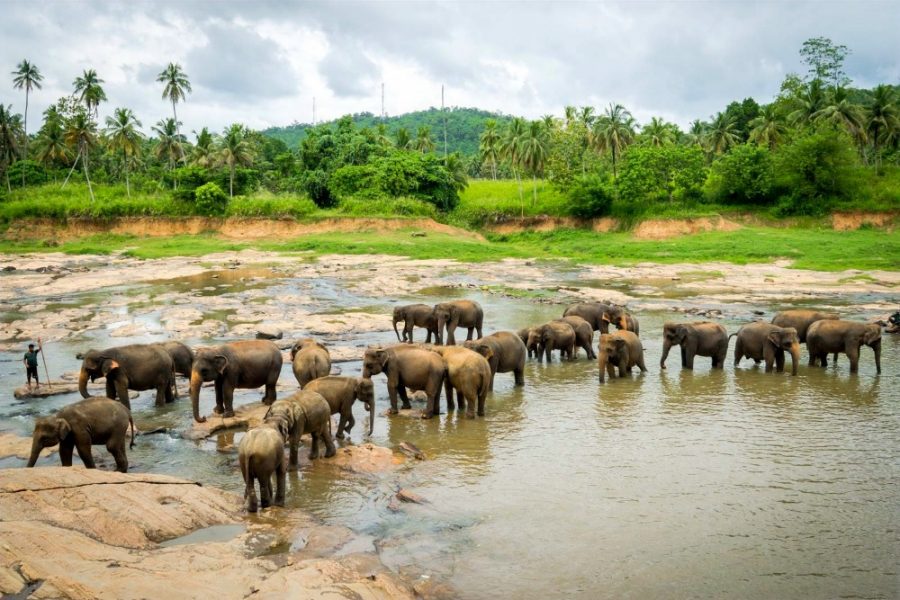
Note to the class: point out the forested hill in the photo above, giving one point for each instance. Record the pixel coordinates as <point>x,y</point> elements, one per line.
<point>464,126</point>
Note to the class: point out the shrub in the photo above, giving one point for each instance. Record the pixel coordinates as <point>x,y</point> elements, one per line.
<point>589,196</point>
<point>209,199</point>
<point>406,207</point>
<point>35,173</point>
<point>352,180</point>
<point>742,176</point>
<point>661,174</point>
<point>315,184</point>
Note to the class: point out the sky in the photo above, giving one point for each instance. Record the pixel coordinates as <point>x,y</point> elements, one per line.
<point>262,63</point>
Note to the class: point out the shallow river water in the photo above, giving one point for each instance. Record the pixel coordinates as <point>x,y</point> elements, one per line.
<point>706,484</point>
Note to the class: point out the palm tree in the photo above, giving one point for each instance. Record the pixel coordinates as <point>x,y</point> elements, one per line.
<point>511,150</point>
<point>586,116</point>
<point>721,134</point>
<point>89,91</point>
<point>658,133</point>
<point>839,112</point>
<point>768,128</point>
<point>810,101</point>
<point>51,143</point>
<point>169,146</point>
<point>235,151</point>
<point>696,133</point>
<point>534,154</point>
<point>570,114</point>
<point>423,142</point>
<point>457,170</point>
<point>204,149</point>
<point>26,76</point>
<point>882,120</point>
<point>490,145</point>
<point>402,139</point>
<point>549,122</point>
<point>10,132</point>
<point>81,133</point>
<point>614,132</point>
<point>176,89</point>
<point>124,136</point>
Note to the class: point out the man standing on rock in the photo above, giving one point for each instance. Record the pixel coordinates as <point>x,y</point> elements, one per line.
<point>31,366</point>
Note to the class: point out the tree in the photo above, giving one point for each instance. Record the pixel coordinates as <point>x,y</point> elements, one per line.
<point>51,143</point>
<point>769,128</point>
<point>839,112</point>
<point>511,150</point>
<point>614,132</point>
<point>490,145</point>
<point>81,133</point>
<point>721,134</point>
<point>10,132</point>
<point>744,175</point>
<point>402,139</point>
<point>124,136</point>
<point>661,174</point>
<point>169,143</point>
<point>234,151</point>
<point>534,154</point>
<point>28,77</point>
<point>89,91</point>
<point>204,149</point>
<point>423,142</point>
<point>825,60</point>
<point>814,170</point>
<point>882,120</point>
<point>658,133</point>
<point>809,101</point>
<point>177,86</point>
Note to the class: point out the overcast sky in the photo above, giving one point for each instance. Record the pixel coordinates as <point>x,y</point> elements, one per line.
<point>262,63</point>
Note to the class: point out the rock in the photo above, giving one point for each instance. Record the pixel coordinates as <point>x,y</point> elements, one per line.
<point>245,417</point>
<point>9,268</point>
<point>759,312</point>
<point>61,387</point>
<point>411,450</point>
<point>365,458</point>
<point>19,446</point>
<point>418,234</point>
<point>405,495</point>
<point>269,334</point>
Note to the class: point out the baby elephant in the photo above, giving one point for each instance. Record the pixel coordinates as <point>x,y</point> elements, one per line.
<point>764,341</point>
<point>260,455</point>
<point>310,360</point>
<point>622,349</point>
<point>340,392</point>
<point>89,422</point>
<point>301,413</point>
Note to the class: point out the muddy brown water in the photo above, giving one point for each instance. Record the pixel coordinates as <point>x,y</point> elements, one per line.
<point>705,484</point>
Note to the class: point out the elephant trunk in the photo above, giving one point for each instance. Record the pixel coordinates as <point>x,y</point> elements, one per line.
<point>602,363</point>
<point>371,415</point>
<point>196,382</point>
<point>623,323</point>
<point>667,345</point>
<point>795,357</point>
<point>395,330</point>
<point>35,451</point>
<point>82,382</point>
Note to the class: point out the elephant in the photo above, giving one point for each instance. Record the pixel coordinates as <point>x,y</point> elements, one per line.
<point>469,373</point>
<point>261,455</point>
<point>764,341</point>
<point>701,338</point>
<point>415,315</point>
<point>182,356</point>
<point>340,392</point>
<point>828,335</point>
<point>507,354</point>
<point>300,413</point>
<point>598,314</point>
<point>524,335</point>
<point>801,319</point>
<point>631,324</point>
<point>407,367</point>
<point>555,335</point>
<point>584,334</point>
<point>89,422</point>
<point>458,313</point>
<point>134,367</point>
<point>621,349</point>
<point>246,364</point>
<point>310,360</point>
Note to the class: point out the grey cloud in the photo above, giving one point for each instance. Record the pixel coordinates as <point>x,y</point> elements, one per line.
<point>348,71</point>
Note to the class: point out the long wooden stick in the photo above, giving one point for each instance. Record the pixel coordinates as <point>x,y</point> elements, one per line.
<point>46,370</point>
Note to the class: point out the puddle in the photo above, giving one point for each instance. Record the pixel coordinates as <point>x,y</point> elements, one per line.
<point>214,533</point>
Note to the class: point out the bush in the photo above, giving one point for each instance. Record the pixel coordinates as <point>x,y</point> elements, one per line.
<point>35,173</point>
<point>742,176</point>
<point>663,174</point>
<point>352,180</point>
<point>315,184</point>
<point>589,196</point>
<point>189,179</point>
<point>210,200</point>
<point>270,205</point>
<point>406,207</point>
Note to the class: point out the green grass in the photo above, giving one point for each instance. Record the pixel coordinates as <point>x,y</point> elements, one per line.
<point>485,198</point>
<point>819,249</point>
<point>52,201</point>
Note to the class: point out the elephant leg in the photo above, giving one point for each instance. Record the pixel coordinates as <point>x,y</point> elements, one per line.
<point>265,490</point>
<point>83,445</point>
<point>853,357</point>
<point>834,358</point>
<point>117,449</point>
<point>448,391</point>
<point>471,331</point>
<point>330,450</point>
<point>65,453</point>
<point>481,399</point>
<point>350,423</point>
<point>470,400</point>
<point>610,370</point>
<point>162,391</point>
<point>228,399</point>
<point>689,360</point>
<point>171,391</point>
<point>314,446</point>
<point>640,364</point>
<point>111,392</point>
<point>342,423</point>
<point>404,398</point>
<point>250,495</point>
<point>462,400</point>
<point>769,356</point>
<point>121,384</point>
<point>779,360</point>
<point>738,352</point>
<point>271,394</point>
<point>684,358</point>
<point>519,373</point>
<point>294,450</point>
<point>220,401</point>
<point>280,480</point>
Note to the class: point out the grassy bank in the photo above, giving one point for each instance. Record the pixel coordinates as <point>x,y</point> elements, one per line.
<point>819,249</point>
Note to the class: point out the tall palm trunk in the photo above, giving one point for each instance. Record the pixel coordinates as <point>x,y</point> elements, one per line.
<point>125,164</point>
<point>25,152</point>
<point>72,170</point>
<point>84,163</point>
<point>178,131</point>
<point>534,190</point>
<point>615,175</point>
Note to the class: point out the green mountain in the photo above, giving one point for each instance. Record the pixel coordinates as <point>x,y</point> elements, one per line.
<point>464,126</point>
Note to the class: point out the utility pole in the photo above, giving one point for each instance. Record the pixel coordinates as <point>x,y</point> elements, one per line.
<point>444,114</point>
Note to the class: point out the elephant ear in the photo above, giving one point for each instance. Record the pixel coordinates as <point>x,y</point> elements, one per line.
<point>486,351</point>
<point>62,428</point>
<point>681,332</point>
<point>221,363</point>
<point>871,335</point>
<point>776,338</point>
<point>605,317</point>
<point>109,364</point>
<point>618,342</point>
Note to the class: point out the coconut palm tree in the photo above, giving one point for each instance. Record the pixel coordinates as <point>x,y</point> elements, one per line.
<point>882,120</point>
<point>696,133</point>
<point>204,149</point>
<point>490,146</point>
<point>28,77</point>
<point>89,91</point>
<point>810,101</point>
<point>51,143</point>
<point>456,167</point>
<point>658,133</point>
<point>839,112</point>
<point>402,139</point>
<point>177,87</point>
<point>169,143</point>
<point>10,133</point>
<point>614,132</point>
<point>721,134</point>
<point>235,151</point>
<point>125,137</point>
<point>511,150</point>
<point>423,142</point>
<point>81,133</point>
<point>570,114</point>
<point>534,154</point>
<point>768,128</point>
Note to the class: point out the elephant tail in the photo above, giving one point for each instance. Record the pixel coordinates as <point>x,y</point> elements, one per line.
<point>130,420</point>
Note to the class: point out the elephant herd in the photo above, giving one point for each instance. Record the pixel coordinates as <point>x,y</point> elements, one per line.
<point>468,369</point>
